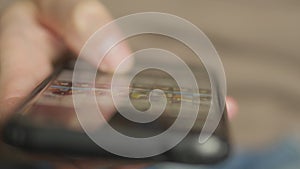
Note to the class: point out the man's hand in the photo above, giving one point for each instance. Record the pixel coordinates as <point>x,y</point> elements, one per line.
<point>34,33</point>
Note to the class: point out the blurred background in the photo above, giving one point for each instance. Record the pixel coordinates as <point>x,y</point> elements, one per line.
<point>258,42</point>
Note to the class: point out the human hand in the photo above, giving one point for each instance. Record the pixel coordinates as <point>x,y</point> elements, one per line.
<point>34,33</point>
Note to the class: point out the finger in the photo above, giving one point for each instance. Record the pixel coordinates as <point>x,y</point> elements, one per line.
<point>76,20</point>
<point>232,107</point>
<point>26,53</point>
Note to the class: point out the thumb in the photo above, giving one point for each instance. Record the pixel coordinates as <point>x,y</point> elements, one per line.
<point>75,21</point>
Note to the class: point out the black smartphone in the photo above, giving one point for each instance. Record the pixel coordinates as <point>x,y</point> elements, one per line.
<point>47,121</point>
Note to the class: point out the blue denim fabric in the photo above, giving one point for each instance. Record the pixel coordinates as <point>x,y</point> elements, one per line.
<point>284,155</point>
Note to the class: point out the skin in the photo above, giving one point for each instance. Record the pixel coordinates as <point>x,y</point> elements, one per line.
<point>33,34</point>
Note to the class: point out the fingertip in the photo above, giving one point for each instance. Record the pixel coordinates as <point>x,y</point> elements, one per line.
<point>232,107</point>
<point>87,17</point>
<point>118,60</point>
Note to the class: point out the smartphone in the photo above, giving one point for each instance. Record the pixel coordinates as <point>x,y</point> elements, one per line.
<point>47,121</point>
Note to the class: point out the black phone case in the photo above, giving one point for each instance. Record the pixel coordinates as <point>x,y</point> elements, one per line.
<point>19,131</point>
